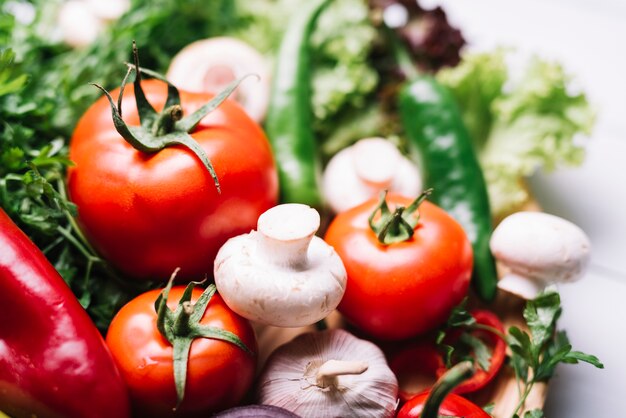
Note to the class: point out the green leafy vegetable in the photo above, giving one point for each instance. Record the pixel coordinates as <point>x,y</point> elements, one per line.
<point>489,408</point>
<point>535,356</point>
<point>535,413</point>
<point>518,125</point>
<point>344,79</point>
<point>44,90</point>
<point>467,347</point>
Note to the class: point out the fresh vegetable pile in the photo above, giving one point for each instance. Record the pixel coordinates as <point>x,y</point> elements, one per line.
<point>303,165</point>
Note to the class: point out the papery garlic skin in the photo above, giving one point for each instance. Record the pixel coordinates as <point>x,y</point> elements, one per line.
<point>539,249</point>
<point>359,172</point>
<point>290,378</point>
<point>281,275</point>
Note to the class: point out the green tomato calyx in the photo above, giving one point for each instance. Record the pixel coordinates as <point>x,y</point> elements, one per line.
<point>160,130</point>
<point>182,325</point>
<point>399,225</point>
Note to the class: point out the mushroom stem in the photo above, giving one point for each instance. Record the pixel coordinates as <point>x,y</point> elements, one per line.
<point>285,234</point>
<point>525,287</point>
<point>329,371</point>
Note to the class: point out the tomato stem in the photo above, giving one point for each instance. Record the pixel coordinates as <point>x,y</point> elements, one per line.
<point>166,120</point>
<point>399,225</point>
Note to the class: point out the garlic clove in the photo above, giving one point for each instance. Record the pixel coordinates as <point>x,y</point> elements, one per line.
<point>281,275</point>
<point>357,173</point>
<point>539,249</point>
<point>330,374</point>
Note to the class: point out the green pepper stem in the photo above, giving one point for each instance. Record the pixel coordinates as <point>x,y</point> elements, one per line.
<point>401,54</point>
<point>453,377</point>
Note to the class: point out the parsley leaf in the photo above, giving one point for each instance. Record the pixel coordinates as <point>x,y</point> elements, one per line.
<point>535,355</point>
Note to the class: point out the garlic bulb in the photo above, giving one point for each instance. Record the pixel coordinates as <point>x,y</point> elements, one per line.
<point>330,374</point>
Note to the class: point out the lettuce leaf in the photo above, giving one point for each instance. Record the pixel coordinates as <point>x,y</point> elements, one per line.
<point>518,124</point>
<point>344,79</point>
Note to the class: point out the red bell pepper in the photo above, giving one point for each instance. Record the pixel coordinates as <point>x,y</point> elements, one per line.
<point>440,402</point>
<point>486,323</point>
<point>424,361</point>
<point>53,360</point>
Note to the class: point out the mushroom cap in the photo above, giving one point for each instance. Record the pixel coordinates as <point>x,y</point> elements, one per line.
<point>357,173</point>
<point>208,65</point>
<point>541,247</point>
<point>279,295</point>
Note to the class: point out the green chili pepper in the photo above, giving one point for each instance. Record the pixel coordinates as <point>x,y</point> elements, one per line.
<point>435,130</point>
<point>289,119</point>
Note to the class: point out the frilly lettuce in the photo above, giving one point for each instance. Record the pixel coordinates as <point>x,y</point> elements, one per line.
<point>343,77</point>
<point>518,125</point>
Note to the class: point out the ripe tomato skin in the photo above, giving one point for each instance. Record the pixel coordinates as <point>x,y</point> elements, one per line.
<point>218,376</point>
<point>148,214</point>
<point>403,289</point>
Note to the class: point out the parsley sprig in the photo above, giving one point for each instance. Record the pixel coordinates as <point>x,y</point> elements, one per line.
<point>44,89</point>
<point>535,355</point>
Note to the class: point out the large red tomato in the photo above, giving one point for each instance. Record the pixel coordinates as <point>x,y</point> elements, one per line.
<point>406,288</point>
<point>218,373</point>
<point>151,213</point>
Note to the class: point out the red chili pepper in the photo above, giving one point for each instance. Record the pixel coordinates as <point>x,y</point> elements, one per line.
<point>423,359</point>
<point>453,406</point>
<point>53,360</point>
<point>497,345</point>
<point>440,402</point>
<point>417,363</point>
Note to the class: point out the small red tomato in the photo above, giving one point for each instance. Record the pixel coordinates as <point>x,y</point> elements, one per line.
<point>405,288</point>
<point>218,372</point>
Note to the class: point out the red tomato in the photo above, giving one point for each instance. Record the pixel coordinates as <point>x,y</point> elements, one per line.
<point>218,374</point>
<point>151,213</point>
<point>452,406</point>
<point>404,289</point>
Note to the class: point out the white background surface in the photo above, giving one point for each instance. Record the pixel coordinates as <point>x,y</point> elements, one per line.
<point>588,37</point>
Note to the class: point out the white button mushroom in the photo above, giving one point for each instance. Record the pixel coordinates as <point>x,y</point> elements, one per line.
<point>109,10</point>
<point>78,25</point>
<point>357,173</point>
<point>282,274</point>
<point>539,249</point>
<point>330,374</point>
<point>209,65</point>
